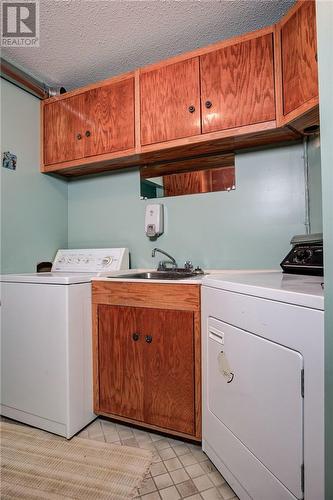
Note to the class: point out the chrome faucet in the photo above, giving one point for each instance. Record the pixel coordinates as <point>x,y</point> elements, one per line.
<point>163,264</point>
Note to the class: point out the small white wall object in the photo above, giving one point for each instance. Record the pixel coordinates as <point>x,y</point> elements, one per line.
<point>154,224</point>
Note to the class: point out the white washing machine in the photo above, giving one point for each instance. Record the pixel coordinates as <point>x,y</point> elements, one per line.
<point>46,340</point>
<point>263,383</point>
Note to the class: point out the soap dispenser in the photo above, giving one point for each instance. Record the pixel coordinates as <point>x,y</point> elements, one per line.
<point>154,220</point>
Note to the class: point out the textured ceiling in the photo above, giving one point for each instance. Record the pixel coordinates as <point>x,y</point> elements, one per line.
<point>83,41</point>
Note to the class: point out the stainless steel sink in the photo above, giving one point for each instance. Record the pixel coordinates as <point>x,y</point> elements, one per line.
<point>177,274</point>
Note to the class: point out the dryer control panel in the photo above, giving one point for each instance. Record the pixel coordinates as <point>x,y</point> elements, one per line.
<point>91,260</point>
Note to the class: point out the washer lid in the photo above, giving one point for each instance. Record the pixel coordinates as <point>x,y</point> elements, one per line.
<point>48,278</point>
<point>295,289</point>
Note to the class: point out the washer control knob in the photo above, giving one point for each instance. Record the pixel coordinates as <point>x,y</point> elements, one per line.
<point>106,261</point>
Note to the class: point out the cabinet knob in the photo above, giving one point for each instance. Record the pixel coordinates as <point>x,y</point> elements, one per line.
<point>191,109</point>
<point>208,104</point>
<point>149,339</point>
<point>88,133</point>
<point>135,336</point>
<point>79,137</point>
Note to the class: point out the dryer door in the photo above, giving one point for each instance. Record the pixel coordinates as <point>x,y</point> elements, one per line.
<point>254,388</point>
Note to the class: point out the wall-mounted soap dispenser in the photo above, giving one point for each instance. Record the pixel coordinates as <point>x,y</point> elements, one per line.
<point>154,220</point>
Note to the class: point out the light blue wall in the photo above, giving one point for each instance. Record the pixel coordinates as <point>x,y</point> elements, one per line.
<point>248,228</point>
<point>325,61</point>
<point>33,206</point>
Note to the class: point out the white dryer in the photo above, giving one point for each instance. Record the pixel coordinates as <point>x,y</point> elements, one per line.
<point>263,383</point>
<point>46,340</point>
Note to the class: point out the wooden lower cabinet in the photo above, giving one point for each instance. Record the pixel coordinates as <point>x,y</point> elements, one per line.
<point>147,362</point>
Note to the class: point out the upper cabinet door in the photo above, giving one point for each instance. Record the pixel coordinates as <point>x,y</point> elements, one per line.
<point>63,130</point>
<point>299,57</point>
<point>237,85</point>
<point>109,114</point>
<point>170,102</point>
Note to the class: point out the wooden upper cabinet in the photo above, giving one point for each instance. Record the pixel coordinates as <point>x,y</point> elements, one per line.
<point>170,102</point>
<point>63,130</point>
<point>237,85</point>
<point>256,89</point>
<point>109,115</point>
<point>298,41</point>
<point>94,122</point>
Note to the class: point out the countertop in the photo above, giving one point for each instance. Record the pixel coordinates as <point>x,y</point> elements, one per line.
<point>196,280</point>
<point>302,290</point>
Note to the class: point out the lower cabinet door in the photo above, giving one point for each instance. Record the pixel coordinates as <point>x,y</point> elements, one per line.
<point>169,369</point>
<point>146,365</point>
<point>121,362</point>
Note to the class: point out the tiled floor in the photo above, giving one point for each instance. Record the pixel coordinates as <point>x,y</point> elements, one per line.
<point>179,470</point>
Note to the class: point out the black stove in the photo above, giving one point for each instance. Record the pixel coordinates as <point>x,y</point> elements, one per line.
<point>306,256</point>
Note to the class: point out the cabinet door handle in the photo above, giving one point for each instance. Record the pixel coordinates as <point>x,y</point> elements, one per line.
<point>135,336</point>
<point>79,137</point>
<point>88,133</point>
<point>208,104</point>
<point>191,109</point>
<point>149,339</point>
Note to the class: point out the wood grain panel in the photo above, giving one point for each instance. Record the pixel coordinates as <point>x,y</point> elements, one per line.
<point>202,162</point>
<point>155,295</point>
<point>225,141</point>
<point>137,112</point>
<point>110,118</point>
<point>121,361</point>
<point>63,121</point>
<point>95,357</point>
<point>95,164</point>
<point>238,81</point>
<point>166,96</point>
<point>169,369</point>
<point>197,373</point>
<point>221,179</point>
<point>299,51</point>
<point>204,181</point>
<point>185,183</point>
